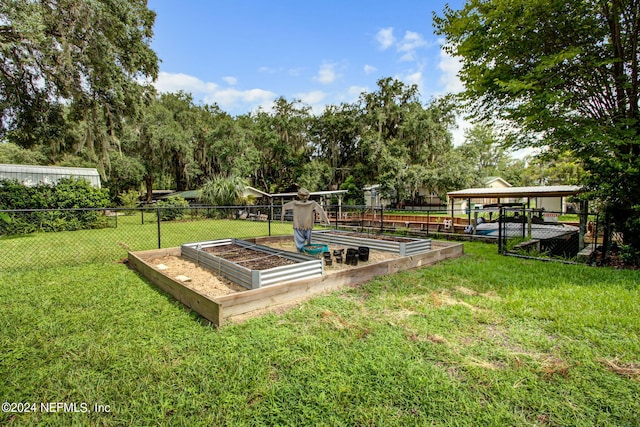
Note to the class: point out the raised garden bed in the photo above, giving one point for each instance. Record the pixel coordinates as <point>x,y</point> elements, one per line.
<point>404,246</point>
<point>232,306</point>
<point>251,265</point>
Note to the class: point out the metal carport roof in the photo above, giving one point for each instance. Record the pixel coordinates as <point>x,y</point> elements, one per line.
<point>516,192</point>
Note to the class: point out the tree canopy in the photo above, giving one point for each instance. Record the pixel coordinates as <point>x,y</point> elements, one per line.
<point>562,74</point>
<point>75,90</point>
<point>73,61</point>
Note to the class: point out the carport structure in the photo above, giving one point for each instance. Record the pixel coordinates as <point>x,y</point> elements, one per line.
<point>502,195</point>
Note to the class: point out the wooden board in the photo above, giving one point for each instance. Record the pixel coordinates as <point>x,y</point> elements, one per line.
<point>202,305</point>
<point>224,309</point>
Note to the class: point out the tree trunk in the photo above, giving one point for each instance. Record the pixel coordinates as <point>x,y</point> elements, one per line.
<point>148,181</point>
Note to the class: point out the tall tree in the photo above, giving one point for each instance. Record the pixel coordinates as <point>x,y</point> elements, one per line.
<point>336,135</point>
<point>282,140</point>
<point>485,151</point>
<point>404,142</point>
<point>73,60</point>
<point>160,138</point>
<point>223,145</point>
<point>566,72</point>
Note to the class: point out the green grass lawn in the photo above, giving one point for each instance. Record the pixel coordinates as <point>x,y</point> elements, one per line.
<point>476,341</point>
<point>46,250</point>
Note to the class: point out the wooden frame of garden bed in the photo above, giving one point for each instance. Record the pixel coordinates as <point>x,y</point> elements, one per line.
<point>228,308</point>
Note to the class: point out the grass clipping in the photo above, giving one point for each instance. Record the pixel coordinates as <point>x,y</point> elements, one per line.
<point>629,370</point>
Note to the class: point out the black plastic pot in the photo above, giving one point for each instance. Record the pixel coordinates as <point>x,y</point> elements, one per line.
<point>352,256</point>
<point>363,253</point>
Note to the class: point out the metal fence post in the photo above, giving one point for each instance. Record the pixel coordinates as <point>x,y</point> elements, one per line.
<point>158,214</point>
<point>500,213</point>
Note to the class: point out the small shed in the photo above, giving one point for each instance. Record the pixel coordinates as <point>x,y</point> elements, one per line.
<point>30,175</point>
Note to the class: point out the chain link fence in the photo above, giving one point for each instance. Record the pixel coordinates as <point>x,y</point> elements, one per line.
<point>64,237</point>
<point>32,239</point>
<point>546,235</point>
<point>117,231</point>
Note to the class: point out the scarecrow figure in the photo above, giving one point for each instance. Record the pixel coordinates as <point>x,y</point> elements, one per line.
<point>304,213</point>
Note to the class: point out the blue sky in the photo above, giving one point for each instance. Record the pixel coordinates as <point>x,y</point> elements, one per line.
<point>242,54</point>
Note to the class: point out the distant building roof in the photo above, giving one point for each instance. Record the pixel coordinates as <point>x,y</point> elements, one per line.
<point>195,194</point>
<point>312,193</point>
<point>252,190</point>
<point>30,175</point>
<point>491,180</point>
<point>544,191</point>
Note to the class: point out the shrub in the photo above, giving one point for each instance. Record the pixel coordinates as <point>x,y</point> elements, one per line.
<point>172,208</point>
<point>68,193</point>
<point>129,199</point>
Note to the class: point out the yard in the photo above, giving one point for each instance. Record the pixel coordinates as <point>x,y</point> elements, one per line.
<point>480,340</point>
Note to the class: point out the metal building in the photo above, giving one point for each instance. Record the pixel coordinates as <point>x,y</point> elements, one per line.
<point>30,175</point>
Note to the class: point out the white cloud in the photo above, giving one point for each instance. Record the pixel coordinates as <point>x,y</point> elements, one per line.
<point>168,82</point>
<point>327,73</point>
<point>268,70</point>
<point>449,82</point>
<point>411,41</point>
<point>458,133</point>
<point>356,91</point>
<point>226,98</point>
<point>414,78</point>
<point>232,81</point>
<point>295,72</point>
<point>409,44</point>
<point>449,67</point>
<point>230,96</point>
<point>385,38</point>
<point>368,69</point>
<point>313,99</point>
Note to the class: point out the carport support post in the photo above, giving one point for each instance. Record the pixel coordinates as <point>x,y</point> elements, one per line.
<point>452,219</point>
<point>584,218</point>
<point>500,213</point>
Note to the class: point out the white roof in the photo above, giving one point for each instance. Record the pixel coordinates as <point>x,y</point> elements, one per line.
<point>30,175</point>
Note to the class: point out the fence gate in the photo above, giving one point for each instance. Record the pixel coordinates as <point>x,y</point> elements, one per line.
<point>543,234</point>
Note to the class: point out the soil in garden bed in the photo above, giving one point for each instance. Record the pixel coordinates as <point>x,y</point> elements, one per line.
<point>195,277</point>
<point>247,257</point>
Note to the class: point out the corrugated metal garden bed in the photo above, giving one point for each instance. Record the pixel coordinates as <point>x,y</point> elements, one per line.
<point>404,246</point>
<point>251,265</point>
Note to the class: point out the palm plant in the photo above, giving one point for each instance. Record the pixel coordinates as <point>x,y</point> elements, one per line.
<point>223,191</point>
